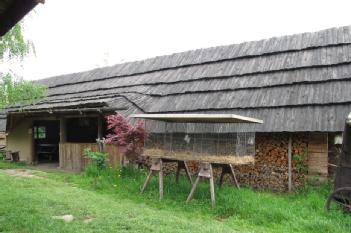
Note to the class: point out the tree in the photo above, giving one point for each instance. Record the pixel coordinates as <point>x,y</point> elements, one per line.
<point>131,137</point>
<point>14,45</point>
<point>14,90</point>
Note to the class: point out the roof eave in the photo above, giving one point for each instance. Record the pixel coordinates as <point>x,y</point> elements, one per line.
<point>15,12</point>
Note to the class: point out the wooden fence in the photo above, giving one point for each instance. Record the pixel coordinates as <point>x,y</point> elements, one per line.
<point>2,139</point>
<point>71,155</point>
<point>318,154</point>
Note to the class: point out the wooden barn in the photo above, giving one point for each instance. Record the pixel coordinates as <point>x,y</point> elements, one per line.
<point>299,85</point>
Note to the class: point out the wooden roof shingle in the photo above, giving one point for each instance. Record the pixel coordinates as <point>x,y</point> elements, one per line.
<point>293,83</point>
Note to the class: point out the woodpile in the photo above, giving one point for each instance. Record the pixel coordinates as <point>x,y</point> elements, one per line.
<point>270,170</point>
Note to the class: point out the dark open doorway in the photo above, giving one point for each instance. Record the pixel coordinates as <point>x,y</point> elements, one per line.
<point>82,130</point>
<point>46,141</point>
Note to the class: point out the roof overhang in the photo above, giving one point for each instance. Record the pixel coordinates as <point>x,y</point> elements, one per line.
<point>66,111</point>
<point>12,11</point>
<point>199,118</point>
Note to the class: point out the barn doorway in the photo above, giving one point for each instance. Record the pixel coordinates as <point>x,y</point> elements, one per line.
<point>46,136</point>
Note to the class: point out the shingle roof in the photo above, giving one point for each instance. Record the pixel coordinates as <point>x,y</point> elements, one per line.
<point>300,82</point>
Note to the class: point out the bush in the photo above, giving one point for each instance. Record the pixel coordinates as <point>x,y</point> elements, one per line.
<point>124,134</point>
<point>96,167</point>
<point>2,155</point>
<point>98,159</point>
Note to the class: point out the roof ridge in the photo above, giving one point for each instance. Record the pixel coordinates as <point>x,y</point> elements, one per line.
<point>294,42</point>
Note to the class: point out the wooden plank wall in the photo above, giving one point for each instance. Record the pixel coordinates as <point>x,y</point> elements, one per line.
<point>318,154</point>
<point>71,155</point>
<point>2,139</point>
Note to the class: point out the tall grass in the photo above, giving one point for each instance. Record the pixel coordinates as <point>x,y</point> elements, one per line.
<point>302,210</point>
<point>252,210</point>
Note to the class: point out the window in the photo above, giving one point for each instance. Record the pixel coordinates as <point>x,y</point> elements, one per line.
<point>39,132</point>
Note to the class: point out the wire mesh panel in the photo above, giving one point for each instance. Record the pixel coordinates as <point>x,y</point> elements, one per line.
<point>198,141</point>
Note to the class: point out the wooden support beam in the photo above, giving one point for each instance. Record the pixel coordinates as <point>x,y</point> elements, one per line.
<point>182,165</point>
<point>14,13</point>
<point>156,167</point>
<point>228,169</point>
<point>206,172</point>
<point>289,163</point>
<point>63,133</point>
<point>193,188</point>
<point>100,129</point>
<point>233,176</point>
<point>160,180</point>
<point>147,181</point>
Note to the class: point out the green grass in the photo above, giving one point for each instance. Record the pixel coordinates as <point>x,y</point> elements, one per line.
<point>115,204</point>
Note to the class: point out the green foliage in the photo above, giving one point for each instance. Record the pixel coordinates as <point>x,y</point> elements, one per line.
<point>9,164</point>
<point>13,90</point>
<point>14,45</point>
<point>97,166</point>
<point>2,155</point>
<point>301,162</point>
<point>98,159</point>
<point>19,91</point>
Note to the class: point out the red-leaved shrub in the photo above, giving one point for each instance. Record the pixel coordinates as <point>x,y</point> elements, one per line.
<point>124,134</point>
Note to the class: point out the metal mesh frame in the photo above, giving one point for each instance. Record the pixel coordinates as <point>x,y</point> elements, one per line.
<point>197,139</point>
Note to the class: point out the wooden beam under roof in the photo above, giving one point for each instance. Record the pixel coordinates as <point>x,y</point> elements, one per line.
<point>13,11</point>
<point>199,118</point>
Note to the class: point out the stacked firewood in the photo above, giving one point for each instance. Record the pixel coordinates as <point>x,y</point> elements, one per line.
<point>270,170</point>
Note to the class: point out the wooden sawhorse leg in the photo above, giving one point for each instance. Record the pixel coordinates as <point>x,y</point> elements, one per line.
<point>206,171</point>
<point>228,169</point>
<point>156,167</point>
<point>183,165</point>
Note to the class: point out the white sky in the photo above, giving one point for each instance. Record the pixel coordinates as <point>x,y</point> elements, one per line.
<point>77,35</point>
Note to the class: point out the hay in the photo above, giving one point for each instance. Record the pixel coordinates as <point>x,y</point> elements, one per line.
<point>189,156</point>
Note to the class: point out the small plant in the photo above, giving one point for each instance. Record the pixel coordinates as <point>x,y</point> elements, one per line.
<point>97,165</point>
<point>125,134</point>
<point>98,159</point>
<point>2,155</point>
<point>301,164</point>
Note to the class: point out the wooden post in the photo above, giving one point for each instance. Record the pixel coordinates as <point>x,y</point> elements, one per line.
<point>213,197</point>
<point>155,167</point>
<point>233,176</point>
<point>63,139</point>
<point>289,163</point>
<point>191,194</point>
<point>187,171</point>
<point>147,181</point>
<point>183,165</point>
<point>33,154</point>
<point>160,180</point>
<point>228,169</point>
<point>63,134</point>
<point>205,172</point>
<point>100,134</point>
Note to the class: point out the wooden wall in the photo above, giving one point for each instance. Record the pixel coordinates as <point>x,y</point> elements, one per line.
<point>71,155</point>
<point>318,154</point>
<point>2,139</point>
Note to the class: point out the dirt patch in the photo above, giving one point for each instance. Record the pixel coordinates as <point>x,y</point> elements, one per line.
<point>20,173</point>
<point>66,218</point>
<point>88,219</point>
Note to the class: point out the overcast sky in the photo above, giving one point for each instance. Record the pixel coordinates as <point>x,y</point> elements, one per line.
<point>76,35</point>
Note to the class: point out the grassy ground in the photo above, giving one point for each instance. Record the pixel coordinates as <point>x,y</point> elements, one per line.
<point>114,204</point>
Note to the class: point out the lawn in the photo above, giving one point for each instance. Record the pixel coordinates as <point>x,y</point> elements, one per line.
<point>113,204</point>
